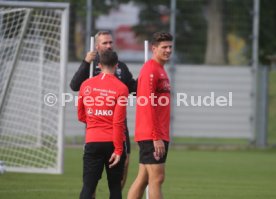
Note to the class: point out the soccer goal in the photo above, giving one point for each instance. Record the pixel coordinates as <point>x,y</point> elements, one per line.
<point>33,56</point>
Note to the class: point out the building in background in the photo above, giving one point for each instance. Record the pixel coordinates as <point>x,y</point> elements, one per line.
<point>120,21</point>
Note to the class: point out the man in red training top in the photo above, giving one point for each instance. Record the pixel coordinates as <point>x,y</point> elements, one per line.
<point>153,119</point>
<point>102,106</point>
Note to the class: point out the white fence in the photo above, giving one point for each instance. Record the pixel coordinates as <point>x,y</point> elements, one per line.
<point>194,121</point>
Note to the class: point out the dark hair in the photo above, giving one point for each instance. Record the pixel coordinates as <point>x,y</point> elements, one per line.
<point>161,36</point>
<point>109,58</point>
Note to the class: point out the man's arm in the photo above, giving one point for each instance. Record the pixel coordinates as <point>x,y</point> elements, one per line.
<point>148,82</point>
<point>81,108</point>
<point>80,76</point>
<point>119,122</point>
<point>129,81</point>
<point>147,87</point>
<point>119,118</point>
<point>83,72</point>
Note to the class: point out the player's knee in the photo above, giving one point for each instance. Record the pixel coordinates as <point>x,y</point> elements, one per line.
<point>159,179</point>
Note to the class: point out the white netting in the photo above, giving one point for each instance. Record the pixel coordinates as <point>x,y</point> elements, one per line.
<point>30,41</point>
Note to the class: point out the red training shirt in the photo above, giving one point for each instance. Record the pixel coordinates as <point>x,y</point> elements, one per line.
<point>153,103</point>
<point>102,106</point>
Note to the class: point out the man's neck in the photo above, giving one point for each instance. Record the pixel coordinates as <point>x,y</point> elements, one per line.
<point>108,70</point>
<point>161,62</point>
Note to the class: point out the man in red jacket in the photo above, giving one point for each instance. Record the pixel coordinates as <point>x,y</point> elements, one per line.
<point>102,106</point>
<point>153,119</point>
<point>103,42</point>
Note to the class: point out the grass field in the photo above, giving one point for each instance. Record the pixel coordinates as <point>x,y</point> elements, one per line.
<point>193,174</point>
<point>272,109</point>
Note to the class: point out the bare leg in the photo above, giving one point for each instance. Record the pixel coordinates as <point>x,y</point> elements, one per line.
<point>138,187</point>
<point>156,173</point>
<point>125,171</point>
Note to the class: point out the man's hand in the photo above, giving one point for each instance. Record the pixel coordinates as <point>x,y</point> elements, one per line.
<point>114,159</point>
<point>90,56</point>
<point>159,148</point>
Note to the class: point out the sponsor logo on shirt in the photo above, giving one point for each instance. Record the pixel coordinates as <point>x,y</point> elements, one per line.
<point>163,86</point>
<point>99,112</point>
<point>87,90</point>
<point>97,70</point>
<point>89,111</point>
<point>103,112</point>
<point>118,73</point>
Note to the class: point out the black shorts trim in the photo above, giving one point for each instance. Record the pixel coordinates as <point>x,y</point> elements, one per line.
<point>147,150</point>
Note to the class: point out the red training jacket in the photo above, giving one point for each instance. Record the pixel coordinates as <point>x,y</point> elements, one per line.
<point>102,106</point>
<point>153,103</point>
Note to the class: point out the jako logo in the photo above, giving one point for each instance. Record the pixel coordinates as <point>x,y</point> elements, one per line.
<point>103,112</point>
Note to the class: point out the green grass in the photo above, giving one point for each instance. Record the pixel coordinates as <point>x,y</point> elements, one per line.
<point>193,174</point>
<point>272,109</point>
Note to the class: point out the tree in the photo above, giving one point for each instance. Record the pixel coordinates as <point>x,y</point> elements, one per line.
<point>215,53</point>
<point>203,28</point>
<point>78,18</point>
<point>267,39</point>
<point>190,26</point>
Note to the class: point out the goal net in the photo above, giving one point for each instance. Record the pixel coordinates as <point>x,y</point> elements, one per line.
<point>33,54</point>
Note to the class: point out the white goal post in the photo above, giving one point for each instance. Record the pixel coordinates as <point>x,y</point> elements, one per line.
<point>33,57</point>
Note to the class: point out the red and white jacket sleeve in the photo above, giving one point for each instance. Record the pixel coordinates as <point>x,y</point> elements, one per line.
<point>81,108</point>
<point>119,122</point>
<point>148,83</point>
